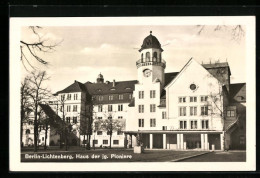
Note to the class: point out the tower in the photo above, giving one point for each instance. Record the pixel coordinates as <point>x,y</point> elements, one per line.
<point>151,66</point>
<point>100,78</point>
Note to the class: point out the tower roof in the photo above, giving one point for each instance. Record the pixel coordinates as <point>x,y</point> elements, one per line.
<point>151,42</point>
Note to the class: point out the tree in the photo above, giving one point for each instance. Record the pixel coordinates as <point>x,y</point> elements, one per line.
<point>26,107</point>
<point>236,32</point>
<point>44,124</point>
<point>35,48</point>
<point>38,93</point>
<point>110,125</point>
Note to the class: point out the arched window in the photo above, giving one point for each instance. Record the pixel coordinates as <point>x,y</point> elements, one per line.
<point>27,131</point>
<point>142,57</point>
<point>160,57</point>
<point>155,56</point>
<point>147,56</point>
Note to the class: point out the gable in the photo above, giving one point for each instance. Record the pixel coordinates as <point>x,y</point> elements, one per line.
<point>193,73</point>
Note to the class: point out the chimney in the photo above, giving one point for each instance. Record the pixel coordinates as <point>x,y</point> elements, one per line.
<point>114,83</point>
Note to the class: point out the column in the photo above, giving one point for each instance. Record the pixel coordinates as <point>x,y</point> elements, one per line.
<point>164,141</point>
<point>125,141</point>
<point>151,141</point>
<point>178,141</point>
<point>134,141</point>
<point>130,141</point>
<point>202,141</point>
<point>181,142</point>
<point>222,141</point>
<point>206,141</point>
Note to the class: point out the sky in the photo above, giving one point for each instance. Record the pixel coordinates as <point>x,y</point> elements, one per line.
<point>86,51</point>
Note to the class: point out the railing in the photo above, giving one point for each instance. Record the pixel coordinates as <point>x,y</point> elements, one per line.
<point>151,61</point>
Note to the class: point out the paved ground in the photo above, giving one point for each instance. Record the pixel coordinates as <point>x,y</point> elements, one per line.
<point>105,155</point>
<point>226,156</point>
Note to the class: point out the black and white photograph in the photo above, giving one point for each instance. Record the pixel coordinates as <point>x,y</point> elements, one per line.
<point>142,93</point>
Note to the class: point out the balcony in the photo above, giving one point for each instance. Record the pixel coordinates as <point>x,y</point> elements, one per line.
<point>150,61</point>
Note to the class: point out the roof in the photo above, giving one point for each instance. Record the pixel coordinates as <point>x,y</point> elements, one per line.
<point>168,77</point>
<point>237,89</point>
<point>151,42</point>
<point>75,87</point>
<point>54,117</point>
<point>229,123</point>
<point>107,88</point>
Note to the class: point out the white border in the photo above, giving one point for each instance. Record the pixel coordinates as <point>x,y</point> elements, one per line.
<point>14,120</point>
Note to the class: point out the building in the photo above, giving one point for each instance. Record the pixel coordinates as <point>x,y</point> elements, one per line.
<point>195,108</point>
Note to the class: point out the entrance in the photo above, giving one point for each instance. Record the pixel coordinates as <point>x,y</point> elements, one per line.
<point>157,140</point>
<point>193,141</point>
<point>214,139</point>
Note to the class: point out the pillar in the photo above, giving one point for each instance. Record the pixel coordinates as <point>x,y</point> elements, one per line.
<point>206,142</point>
<point>130,141</point>
<point>178,141</point>
<point>151,141</point>
<point>181,142</point>
<point>222,141</point>
<point>134,141</point>
<point>125,141</point>
<point>164,141</point>
<point>202,141</point>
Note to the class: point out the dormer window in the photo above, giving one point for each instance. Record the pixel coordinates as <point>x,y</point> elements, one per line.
<point>112,89</point>
<point>128,88</point>
<point>110,97</point>
<point>99,90</point>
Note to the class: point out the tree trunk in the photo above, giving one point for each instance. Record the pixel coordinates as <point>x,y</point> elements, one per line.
<point>110,140</point>
<point>35,130</point>
<point>21,136</point>
<point>46,135</point>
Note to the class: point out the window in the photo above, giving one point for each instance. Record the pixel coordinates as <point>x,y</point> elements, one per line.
<point>141,122</point>
<point>119,132</point>
<point>100,98</point>
<point>120,117</point>
<point>141,108</point>
<point>152,107</point>
<point>61,108</point>
<point>30,123</point>
<point>62,97</point>
<point>204,110</point>
<point>100,108</point>
<point>183,124</point>
<point>68,119</point>
<point>242,140</point>
<point>69,97</point>
<point>193,124</point>
<point>115,142</point>
<point>95,142</point>
<point>141,94</point>
<point>147,55</point>
<point>204,124</point>
<point>203,98</point>
<point>130,96</point>
<point>110,97</point>
<point>193,99</point>
<point>105,142</point>
<point>99,117</point>
<point>164,127</point>
<point>75,96</point>
<point>152,93</point>
<point>120,107</point>
<point>42,138</point>
<point>152,123</point>
<point>182,99</point>
<point>99,132</point>
<point>68,108</point>
<point>230,113</point>
<point>27,131</point>
<point>120,97</point>
<point>75,108</point>
<point>75,120</point>
<point>110,107</point>
<point>193,111</point>
<point>182,111</point>
<point>164,115</point>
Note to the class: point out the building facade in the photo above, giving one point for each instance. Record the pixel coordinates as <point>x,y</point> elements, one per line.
<point>195,108</point>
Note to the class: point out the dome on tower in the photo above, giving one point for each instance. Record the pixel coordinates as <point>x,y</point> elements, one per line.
<point>100,78</point>
<point>151,42</point>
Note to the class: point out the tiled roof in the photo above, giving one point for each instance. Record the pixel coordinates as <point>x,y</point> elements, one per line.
<point>107,88</point>
<point>168,77</point>
<point>236,88</point>
<point>55,119</point>
<point>229,123</point>
<point>75,87</point>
